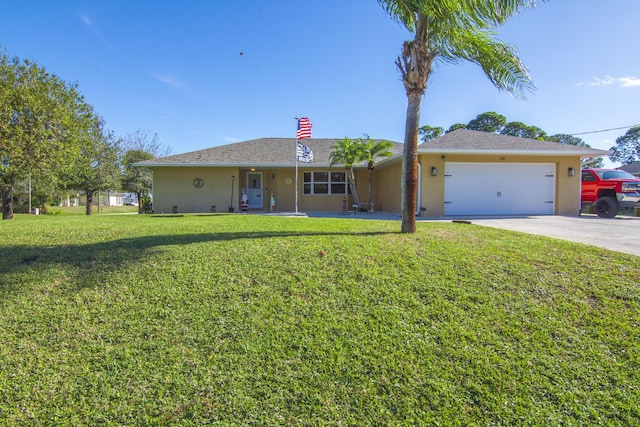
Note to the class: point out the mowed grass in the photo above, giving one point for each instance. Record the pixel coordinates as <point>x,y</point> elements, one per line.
<point>256,320</point>
<point>97,210</point>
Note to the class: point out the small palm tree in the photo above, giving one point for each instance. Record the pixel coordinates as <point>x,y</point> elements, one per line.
<point>371,151</point>
<point>348,152</point>
<point>449,31</point>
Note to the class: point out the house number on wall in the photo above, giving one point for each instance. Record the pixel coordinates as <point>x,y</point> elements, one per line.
<point>198,182</point>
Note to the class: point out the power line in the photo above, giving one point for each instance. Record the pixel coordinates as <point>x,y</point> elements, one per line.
<point>604,130</point>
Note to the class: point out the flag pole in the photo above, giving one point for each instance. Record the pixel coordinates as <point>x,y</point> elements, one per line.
<point>303,130</point>
<point>296,154</point>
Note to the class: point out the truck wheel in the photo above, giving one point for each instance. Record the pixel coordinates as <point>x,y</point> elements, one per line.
<point>607,207</point>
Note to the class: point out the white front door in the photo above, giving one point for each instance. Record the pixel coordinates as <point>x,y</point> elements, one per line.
<point>254,190</point>
<point>499,188</point>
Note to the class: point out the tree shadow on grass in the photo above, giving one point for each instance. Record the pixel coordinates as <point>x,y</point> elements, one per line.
<point>86,263</point>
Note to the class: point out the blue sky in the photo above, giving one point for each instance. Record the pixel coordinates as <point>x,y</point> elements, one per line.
<point>175,68</point>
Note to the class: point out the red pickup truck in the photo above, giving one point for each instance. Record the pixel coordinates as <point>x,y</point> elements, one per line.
<point>609,190</point>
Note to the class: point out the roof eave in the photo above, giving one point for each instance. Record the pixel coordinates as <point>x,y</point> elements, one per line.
<point>591,153</point>
<point>229,165</point>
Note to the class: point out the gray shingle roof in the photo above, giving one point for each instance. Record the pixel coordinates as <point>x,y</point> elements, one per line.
<point>280,152</point>
<point>632,168</point>
<point>273,152</point>
<point>477,142</point>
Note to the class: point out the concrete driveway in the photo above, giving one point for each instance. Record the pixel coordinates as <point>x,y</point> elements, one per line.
<point>620,234</point>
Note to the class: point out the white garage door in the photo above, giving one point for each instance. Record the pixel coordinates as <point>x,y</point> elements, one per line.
<point>499,188</point>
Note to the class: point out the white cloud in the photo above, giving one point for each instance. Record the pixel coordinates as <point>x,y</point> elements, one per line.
<point>87,21</point>
<point>629,81</point>
<point>169,80</point>
<point>602,82</point>
<point>608,80</point>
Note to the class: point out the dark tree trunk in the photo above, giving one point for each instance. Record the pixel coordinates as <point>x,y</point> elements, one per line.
<point>7,203</point>
<point>89,209</point>
<point>140,207</point>
<point>410,164</point>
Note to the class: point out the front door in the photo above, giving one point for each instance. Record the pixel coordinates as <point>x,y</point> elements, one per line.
<point>254,190</point>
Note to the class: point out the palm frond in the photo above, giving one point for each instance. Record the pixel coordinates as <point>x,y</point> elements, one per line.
<point>498,60</point>
<point>495,12</point>
<point>407,12</point>
<point>345,151</point>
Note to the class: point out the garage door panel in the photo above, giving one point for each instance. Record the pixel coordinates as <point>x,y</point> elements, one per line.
<point>499,189</point>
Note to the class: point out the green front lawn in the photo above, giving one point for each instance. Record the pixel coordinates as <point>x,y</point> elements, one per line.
<point>255,320</point>
<point>97,210</point>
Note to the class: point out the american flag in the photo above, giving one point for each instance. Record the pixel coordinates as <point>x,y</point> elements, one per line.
<point>303,153</point>
<point>304,128</point>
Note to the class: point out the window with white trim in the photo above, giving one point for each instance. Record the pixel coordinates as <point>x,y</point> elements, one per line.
<point>315,183</point>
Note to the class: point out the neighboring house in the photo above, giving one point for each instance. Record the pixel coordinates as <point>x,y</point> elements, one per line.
<point>101,198</point>
<point>632,168</point>
<point>77,199</point>
<point>70,200</point>
<point>461,173</point>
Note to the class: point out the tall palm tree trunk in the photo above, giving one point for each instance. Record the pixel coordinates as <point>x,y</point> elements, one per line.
<point>452,30</point>
<point>410,163</point>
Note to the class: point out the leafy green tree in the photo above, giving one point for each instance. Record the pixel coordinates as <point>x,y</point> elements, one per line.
<point>137,180</point>
<point>456,126</point>
<point>563,138</point>
<point>41,120</point>
<point>428,133</point>
<point>44,184</point>
<point>449,31</point>
<point>142,140</point>
<point>627,148</point>
<point>347,152</point>
<point>521,130</point>
<point>98,168</point>
<point>370,152</point>
<point>488,122</point>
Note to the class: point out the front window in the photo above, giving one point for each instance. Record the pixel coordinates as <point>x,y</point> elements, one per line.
<point>614,174</point>
<point>338,183</point>
<point>324,183</point>
<point>588,177</point>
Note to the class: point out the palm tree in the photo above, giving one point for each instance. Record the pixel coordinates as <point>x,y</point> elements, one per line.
<point>449,31</point>
<point>348,152</point>
<point>371,151</point>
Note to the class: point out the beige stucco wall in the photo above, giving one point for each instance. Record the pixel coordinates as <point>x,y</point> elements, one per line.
<point>331,202</point>
<point>567,188</point>
<point>387,187</point>
<point>174,186</point>
<point>283,188</point>
<point>279,182</point>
